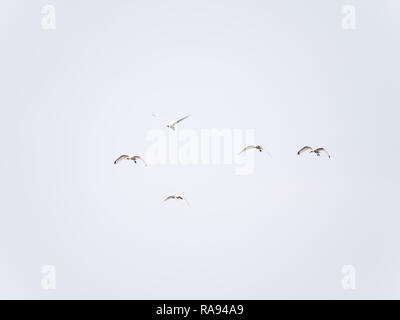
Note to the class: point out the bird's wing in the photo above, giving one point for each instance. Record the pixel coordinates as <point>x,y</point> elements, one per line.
<point>324,150</point>
<point>247,148</point>
<point>177,121</point>
<point>123,157</point>
<point>304,149</point>
<point>167,198</point>
<point>187,202</point>
<point>139,157</point>
<point>267,152</point>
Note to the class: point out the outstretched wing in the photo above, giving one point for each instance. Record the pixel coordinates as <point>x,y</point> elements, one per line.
<point>140,158</point>
<point>182,198</point>
<point>304,149</point>
<point>247,148</point>
<point>267,152</point>
<point>177,121</point>
<point>187,202</point>
<point>167,198</point>
<point>123,157</point>
<point>324,150</point>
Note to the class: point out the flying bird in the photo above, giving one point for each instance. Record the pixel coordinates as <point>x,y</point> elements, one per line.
<point>133,158</point>
<point>257,147</point>
<point>176,197</point>
<point>172,125</point>
<point>317,151</point>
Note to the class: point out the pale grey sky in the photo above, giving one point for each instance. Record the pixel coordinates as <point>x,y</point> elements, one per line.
<point>76,97</point>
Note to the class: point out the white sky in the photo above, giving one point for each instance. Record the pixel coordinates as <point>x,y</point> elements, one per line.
<point>75,98</point>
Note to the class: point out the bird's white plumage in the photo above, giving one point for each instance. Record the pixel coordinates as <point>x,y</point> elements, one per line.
<point>120,158</point>
<point>304,149</point>
<point>172,125</point>
<point>316,151</point>
<point>127,157</point>
<point>140,158</point>
<point>176,197</point>
<point>258,147</point>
